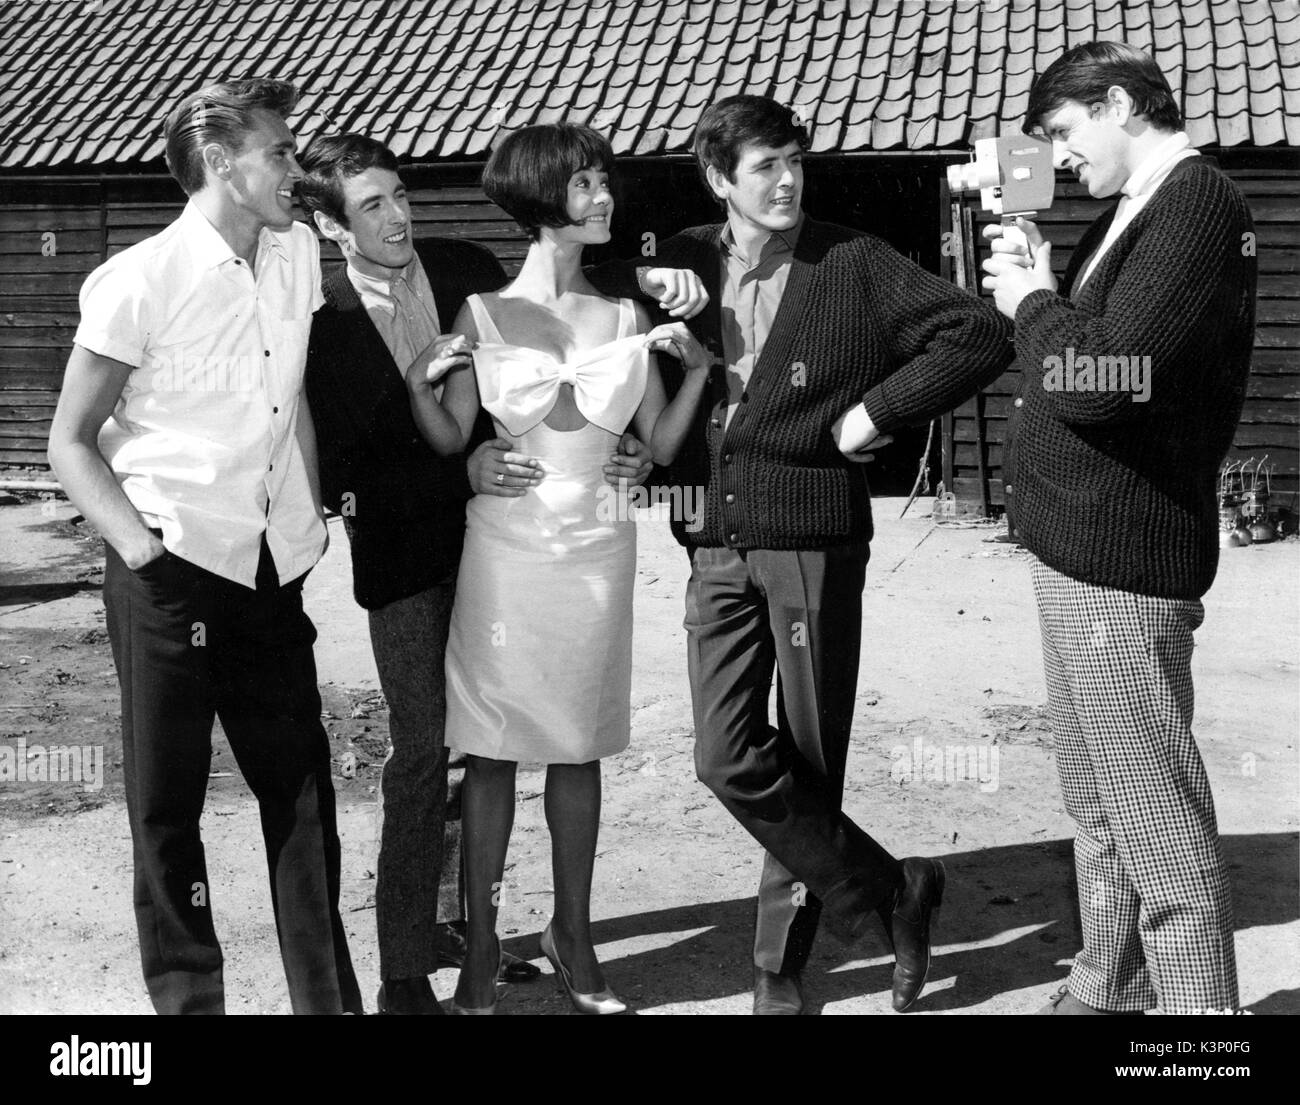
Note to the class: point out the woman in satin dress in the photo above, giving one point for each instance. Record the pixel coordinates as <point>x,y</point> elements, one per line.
<point>539,657</point>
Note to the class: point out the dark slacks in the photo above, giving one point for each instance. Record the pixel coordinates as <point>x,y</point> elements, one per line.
<point>189,645</point>
<point>409,637</point>
<point>798,612</point>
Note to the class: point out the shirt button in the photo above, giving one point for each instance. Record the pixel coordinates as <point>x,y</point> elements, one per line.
<point>267,352</point>
<point>731,496</point>
<point>275,410</point>
<point>1020,402</point>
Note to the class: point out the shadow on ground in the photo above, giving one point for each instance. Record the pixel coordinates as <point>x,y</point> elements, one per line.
<point>1009,919</point>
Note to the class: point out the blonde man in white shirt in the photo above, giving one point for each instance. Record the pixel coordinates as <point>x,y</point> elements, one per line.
<point>181,436</point>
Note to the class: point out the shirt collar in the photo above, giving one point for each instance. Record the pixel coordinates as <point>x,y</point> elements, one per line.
<point>779,241</point>
<point>377,291</point>
<point>211,250</point>
<point>1157,163</point>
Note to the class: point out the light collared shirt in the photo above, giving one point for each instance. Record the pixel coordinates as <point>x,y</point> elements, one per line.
<point>402,309</point>
<point>1139,188</point>
<point>751,295</point>
<point>204,438</point>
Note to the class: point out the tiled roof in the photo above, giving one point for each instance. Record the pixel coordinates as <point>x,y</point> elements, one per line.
<point>87,82</point>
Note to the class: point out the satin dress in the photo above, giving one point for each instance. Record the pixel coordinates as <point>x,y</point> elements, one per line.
<point>539,658</point>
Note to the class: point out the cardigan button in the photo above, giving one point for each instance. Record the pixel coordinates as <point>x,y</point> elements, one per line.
<point>1019,402</point>
<point>716,423</point>
<point>1010,489</point>
<point>731,496</point>
<point>726,458</point>
<point>733,538</point>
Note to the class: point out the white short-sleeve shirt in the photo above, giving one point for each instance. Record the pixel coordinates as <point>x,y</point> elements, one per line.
<point>204,437</point>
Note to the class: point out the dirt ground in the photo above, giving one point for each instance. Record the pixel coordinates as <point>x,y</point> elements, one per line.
<point>951,757</point>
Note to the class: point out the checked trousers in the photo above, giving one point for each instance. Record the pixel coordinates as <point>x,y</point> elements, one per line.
<point>1154,898</point>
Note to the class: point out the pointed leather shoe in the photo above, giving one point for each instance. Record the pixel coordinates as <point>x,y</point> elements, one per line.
<point>921,895</point>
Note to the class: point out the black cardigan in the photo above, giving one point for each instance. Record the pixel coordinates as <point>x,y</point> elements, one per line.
<point>1120,493</point>
<point>858,323</point>
<point>403,505</point>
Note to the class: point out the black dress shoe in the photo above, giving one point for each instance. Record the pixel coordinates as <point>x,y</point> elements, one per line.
<point>920,896</point>
<point>451,953</point>
<point>408,997</point>
<point>777,995</point>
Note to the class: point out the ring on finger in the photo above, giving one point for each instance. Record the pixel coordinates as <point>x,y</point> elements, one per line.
<point>501,477</point>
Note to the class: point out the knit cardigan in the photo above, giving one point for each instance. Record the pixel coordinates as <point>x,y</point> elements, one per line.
<point>403,505</point>
<point>858,323</point>
<point>1101,486</point>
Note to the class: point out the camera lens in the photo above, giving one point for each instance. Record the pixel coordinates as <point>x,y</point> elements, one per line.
<point>963,178</point>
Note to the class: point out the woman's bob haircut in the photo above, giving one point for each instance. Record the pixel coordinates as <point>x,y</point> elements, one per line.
<point>528,174</point>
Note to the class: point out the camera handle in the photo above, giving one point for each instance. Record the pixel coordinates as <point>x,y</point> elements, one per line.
<point>1013,234</point>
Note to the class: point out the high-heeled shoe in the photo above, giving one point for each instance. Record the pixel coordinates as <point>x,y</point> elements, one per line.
<point>481,1010</point>
<point>602,1003</point>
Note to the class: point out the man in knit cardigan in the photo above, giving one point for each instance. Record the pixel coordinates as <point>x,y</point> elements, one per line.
<point>826,340</point>
<point>1133,377</point>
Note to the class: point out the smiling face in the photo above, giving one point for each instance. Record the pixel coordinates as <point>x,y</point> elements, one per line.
<point>377,240</point>
<point>767,189</point>
<point>1090,141</point>
<point>264,171</point>
<point>591,205</point>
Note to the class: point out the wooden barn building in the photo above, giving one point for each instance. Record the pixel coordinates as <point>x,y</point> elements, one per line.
<point>894,91</point>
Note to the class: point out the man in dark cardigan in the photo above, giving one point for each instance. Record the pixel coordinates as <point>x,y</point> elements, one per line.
<point>404,512</point>
<point>827,340</point>
<point>1133,377</point>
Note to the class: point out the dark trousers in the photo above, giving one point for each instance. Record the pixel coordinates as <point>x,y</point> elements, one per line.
<point>798,612</point>
<point>409,638</point>
<point>189,645</point>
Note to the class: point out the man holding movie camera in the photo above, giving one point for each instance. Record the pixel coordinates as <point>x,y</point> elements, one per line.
<point>1116,499</point>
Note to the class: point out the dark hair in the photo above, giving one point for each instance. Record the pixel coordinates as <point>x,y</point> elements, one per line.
<point>729,124</point>
<point>528,174</point>
<point>1084,74</point>
<point>329,160</point>
<point>221,113</point>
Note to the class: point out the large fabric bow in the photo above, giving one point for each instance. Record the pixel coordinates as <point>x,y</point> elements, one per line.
<point>518,386</point>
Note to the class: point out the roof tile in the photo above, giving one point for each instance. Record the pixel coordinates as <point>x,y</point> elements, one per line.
<point>440,78</point>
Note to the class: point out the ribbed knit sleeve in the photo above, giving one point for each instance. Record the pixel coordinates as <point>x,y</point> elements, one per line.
<point>945,343</point>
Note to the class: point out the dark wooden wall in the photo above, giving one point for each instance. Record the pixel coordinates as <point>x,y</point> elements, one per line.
<point>53,233</point>
<point>1270,421</point>
<point>91,220</point>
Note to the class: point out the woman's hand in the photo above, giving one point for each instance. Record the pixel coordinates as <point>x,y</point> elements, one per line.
<point>440,356</point>
<point>675,338</point>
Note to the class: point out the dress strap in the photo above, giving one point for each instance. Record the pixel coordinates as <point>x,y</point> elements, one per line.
<point>487,329</point>
<point>626,318</point>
